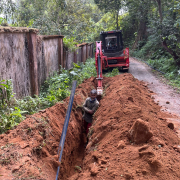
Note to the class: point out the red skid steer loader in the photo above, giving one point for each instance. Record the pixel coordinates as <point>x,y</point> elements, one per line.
<point>110,53</point>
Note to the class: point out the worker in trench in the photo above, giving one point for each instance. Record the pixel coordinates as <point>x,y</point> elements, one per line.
<point>90,106</point>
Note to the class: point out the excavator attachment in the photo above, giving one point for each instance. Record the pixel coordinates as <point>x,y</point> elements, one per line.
<point>99,78</point>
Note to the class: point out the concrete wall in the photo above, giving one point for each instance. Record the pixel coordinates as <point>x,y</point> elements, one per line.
<point>29,59</point>
<point>51,56</point>
<point>69,60</point>
<point>14,62</point>
<point>84,55</point>
<point>90,49</point>
<point>83,52</point>
<point>42,75</point>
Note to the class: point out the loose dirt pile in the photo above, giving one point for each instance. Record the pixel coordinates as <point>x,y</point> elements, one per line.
<point>130,136</point>
<point>129,139</point>
<point>30,150</point>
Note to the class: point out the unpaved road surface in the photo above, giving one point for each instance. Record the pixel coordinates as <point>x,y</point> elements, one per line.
<point>165,95</point>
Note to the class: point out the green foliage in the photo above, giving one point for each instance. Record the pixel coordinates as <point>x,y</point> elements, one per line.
<point>10,116</point>
<point>162,35</point>
<point>55,89</point>
<point>169,65</point>
<point>114,72</point>
<point>58,87</point>
<point>5,92</point>
<point>152,49</point>
<point>7,9</point>
<point>170,69</point>
<point>160,42</point>
<point>31,105</point>
<point>87,70</point>
<point>112,6</point>
<point>70,18</point>
<point>2,21</point>
<point>70,43</point>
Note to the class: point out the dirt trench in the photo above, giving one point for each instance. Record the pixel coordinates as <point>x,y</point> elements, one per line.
<point>30,150</point>
<point>129,139</point>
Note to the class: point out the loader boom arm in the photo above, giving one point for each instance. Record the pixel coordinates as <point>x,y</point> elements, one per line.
<point>98,58</point>
<point>110,54</point>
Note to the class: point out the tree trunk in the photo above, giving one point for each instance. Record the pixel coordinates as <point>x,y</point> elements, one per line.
<point>160,10</point>
<point>141,33</point>
<point>117,19</point>
<point>164,44</point>
<point>174,55</point>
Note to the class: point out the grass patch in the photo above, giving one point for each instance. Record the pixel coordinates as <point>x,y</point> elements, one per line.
<point>168,66</point>
<point>114,72</point>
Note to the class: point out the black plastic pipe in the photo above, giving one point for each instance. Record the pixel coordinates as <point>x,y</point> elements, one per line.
<point>66,122</point>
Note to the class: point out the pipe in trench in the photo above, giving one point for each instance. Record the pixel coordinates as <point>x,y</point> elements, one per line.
<point>66,122</point>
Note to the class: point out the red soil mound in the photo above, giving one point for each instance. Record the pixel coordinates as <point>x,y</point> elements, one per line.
<point>130,136</point>
<point>30,150</point>
<point>116,149</point>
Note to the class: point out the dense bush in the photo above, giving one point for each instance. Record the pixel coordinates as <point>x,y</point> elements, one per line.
<point>170,69</point>
<point>114,72</point>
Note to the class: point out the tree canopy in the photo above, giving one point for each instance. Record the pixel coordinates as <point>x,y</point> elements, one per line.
<point>112,6</point>
<point>7,8</point>
<point>150,27</point>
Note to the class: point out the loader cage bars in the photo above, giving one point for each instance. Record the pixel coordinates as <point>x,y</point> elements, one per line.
<point>111,41</point>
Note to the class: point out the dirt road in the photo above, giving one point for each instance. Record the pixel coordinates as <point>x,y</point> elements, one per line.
<point>165,95</point>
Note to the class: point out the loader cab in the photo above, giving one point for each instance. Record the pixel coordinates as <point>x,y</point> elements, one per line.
<point>111,41</point>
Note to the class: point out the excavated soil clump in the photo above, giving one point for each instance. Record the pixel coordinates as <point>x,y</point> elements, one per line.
<point>130,138</point>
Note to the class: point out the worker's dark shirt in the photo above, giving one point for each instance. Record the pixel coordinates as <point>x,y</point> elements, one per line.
<point>89,105</point>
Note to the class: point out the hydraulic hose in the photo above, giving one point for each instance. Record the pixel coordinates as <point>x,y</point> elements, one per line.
<point>99,66</point>
<point>66,122</point>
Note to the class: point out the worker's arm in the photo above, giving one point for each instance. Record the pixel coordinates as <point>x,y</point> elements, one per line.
<point>90,111</point>
<point>86,108</point>
<point>95,108</point>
